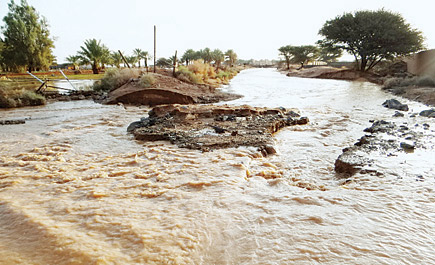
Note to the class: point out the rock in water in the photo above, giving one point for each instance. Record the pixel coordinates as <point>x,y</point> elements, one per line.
<point>428,113</point>
<point>208,127</point>
<point>395,104</point>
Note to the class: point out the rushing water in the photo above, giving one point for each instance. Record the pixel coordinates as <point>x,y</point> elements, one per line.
<point>75,188</point>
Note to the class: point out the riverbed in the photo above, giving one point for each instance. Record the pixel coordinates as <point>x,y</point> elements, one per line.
<point>75,188</point>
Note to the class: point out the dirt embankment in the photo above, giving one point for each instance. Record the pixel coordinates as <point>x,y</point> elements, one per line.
<point>208,127</point>
<point>425,95</point>
<point>166,90</point>
<point>327,72</point>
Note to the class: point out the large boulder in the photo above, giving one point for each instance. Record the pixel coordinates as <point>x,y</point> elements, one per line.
<point>395,104</point>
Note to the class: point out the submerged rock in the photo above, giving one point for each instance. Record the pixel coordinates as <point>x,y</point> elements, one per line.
<point>395,104</point>
<point>428,113</point>
<point>208,127</point>
<point>12,122</point>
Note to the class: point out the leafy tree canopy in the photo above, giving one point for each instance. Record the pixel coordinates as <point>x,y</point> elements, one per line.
<point>94,53</point>
<point>27,41</point>
<point>299,54</point>
<point>372,36</point>
<point>304,54</point>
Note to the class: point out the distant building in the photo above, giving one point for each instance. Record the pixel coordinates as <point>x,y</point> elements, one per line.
<point>422,63</point>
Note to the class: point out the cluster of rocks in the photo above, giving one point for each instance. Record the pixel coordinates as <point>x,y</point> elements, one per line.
<point>383,137</point>
<point>208,127</point>
<point>398,138</point>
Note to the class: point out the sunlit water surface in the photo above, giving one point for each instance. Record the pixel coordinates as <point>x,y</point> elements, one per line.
<point>75,188</point>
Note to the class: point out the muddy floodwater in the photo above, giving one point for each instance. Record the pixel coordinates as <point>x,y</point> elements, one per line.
<point>75,188</point>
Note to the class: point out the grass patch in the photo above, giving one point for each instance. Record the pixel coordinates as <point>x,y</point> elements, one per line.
<point>13,94</point>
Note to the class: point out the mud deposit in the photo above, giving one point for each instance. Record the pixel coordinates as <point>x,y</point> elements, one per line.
<point>209,127</point>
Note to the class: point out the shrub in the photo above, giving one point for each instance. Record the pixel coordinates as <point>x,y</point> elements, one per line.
<point>392,82</point>
<point>20,98</point>
<point>147,80</point>
<point>186,75</point>
<point>30,98</point>
<point>425,81</point>
<point>114,78</point>
<point>420,81</point>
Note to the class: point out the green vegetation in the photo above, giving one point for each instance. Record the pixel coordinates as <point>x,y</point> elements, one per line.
<point>299,54</point>
<point>114,78</point>
<point>27,44</point>
<point>417,81</point>
<point>329,53</point>
<point>14,94</point>
<point>164,63</point>
<point>231,57</point>
<point>94,53</point>
<point>74,60</point>
<point>147,80</point>
<point>199,72</point>
<point>371,36</point>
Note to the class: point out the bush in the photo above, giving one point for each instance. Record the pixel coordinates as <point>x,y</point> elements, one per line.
<point>425,81</point>
<point>392,82</point>
<point>20,98</point>
<point>114,78</point>
<point>147,80</point>
<point>420,81</point>
<point>30,98</point>
<point>186,75</point>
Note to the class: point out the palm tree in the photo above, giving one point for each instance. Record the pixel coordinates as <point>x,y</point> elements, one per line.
<point>231,57</point>
<point>146,56</point>
<point>74,60</point>
<point>218,57</point>
<point>94,53</point>
<point>132,60</point>
<point>116,59</point>
<point>138,54</point>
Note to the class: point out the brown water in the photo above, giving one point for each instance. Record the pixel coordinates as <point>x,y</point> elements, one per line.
<point>75,188</point>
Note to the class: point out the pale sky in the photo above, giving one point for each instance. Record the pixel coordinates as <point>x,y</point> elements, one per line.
<point>253,29</point>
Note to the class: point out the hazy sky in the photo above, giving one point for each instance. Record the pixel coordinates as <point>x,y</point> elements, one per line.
<point>253,29</point>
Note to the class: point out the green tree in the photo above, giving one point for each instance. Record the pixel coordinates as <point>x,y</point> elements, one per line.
<point>372,36</point>
<point>231,57</point>
<point>138,53</point>
<point>145,56</point>
<point>304,54</point>
<point>27,41</point>
<point>287,53</point>
<point>74,60</point>
<point>189,56</point>
<point>164,63</point>
<point>132,60</point>
<point>206,55</point>
<point>115,59</point>
<point>329,53</point>
<point>218,57</point>
<point>94,53</point>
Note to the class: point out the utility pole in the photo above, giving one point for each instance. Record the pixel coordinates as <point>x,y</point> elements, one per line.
<point>154,48</point>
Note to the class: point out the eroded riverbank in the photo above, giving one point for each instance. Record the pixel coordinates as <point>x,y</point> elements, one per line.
<point>76,187</point>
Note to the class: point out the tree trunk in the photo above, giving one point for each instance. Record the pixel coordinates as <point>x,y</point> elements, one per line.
<point>94,68</point>
<point>146,64</point>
